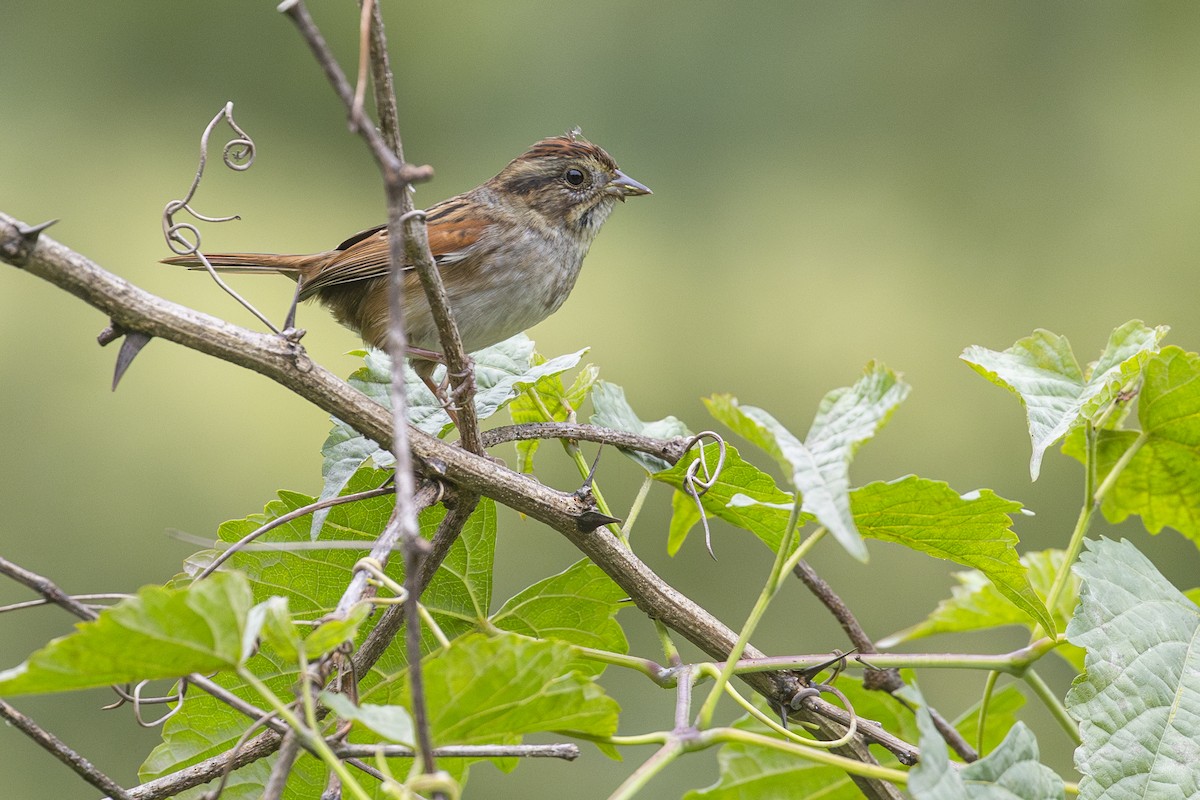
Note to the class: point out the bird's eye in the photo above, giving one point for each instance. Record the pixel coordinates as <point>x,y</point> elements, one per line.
<point>574,177</point>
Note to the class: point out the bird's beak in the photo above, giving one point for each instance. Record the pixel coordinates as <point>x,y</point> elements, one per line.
<point>624,186</point>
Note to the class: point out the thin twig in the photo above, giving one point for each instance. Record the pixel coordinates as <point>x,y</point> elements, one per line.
<point>565,751</point>
<point>47,588</point>
<point>57,748</point>
<point>240,544</point>
<point>282,769</point>
<point>886,680</point>
<point>669,450</point>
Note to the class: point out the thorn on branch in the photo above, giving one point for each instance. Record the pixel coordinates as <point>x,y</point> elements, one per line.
<point>590,520</point>
<point>16,251</point>
<point>133,344</point>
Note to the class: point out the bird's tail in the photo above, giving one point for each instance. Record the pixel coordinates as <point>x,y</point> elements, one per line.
<point>250,262</point>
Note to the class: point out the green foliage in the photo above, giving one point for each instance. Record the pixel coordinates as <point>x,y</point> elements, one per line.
<point>612,410</point>
<point>742,495</point>
<point>578,606</point>
<point>549,400</point>
<point>532,666</point>
<point>502,374</point>
<point>1135,702</point>
<point>1056,392</point>
<point>819,467</point>
<point>158,633</point>
<point>973,530</point>
<point>1010,772</point>
<point>976,604</point>
<point>1161,479</point>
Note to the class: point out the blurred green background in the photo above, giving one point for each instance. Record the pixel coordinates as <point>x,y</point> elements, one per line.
<point>834,182</point>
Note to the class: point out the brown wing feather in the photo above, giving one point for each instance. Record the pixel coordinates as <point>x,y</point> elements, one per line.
<point>365,255</point>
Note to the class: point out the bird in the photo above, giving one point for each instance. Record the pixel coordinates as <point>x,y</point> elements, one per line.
<point>508,251</point>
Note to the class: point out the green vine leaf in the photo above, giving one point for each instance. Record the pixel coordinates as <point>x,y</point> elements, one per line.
<point>158,633</point>
<point>976,604</point>
<point>819,467</point>
<point>1135,703</point>
<point>973,530</point>
<point>579,606</point>
<point>742,495</point>
<point>1161,482</point>
<point>612,410</point>
<point>502,372</point>
<point>1057,394</point>
<point>312,581</point>
<point>549,400</point>
<point>1012,771</point>
<point>499,689</point>
<point>393,723</point>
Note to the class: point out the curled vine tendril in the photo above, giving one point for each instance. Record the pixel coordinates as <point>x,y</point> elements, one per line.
<point>695,486</point>
<point>183,237</point>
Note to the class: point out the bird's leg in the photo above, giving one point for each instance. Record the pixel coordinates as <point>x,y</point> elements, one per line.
<point>290,332</point>
<point>424,366</point>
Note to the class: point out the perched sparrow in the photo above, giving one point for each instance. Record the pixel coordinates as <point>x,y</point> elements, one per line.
<point>508,251</point>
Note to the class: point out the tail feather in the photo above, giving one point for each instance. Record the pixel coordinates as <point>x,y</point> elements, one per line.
<point>248,262</point>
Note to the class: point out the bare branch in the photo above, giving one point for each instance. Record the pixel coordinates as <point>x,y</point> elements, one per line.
<point>57,748</point>
<point>669,450</point>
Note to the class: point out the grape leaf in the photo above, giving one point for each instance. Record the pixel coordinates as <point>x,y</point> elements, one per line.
<point>549,400</point>
<point>502,372</point>
<point>1042,371</point>
<point>742,495</point>
<point>612,410</point>
<point>1010,772</point>
<point>158,633</point>
<point>977,605</point>
<point>819,466</point>
<point>1161,482</point>
<point>1137,701</point>
<point>578,606</point>
<point>972,530</point>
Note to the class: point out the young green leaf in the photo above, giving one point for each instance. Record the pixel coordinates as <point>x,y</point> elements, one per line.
<point>496,690</point>
<point>578,606</point>
<point>549,400</point>
<point>977,605</point>
<point>612,410</point>
<point>1135,703</point>
<point>502,372</point>
<point>313,582</point>
<point>972,530</point>
<point>1012,770</point>
<point>819,466</point>
<point>331,634</point>
<point>1162,480</point>
<point>743,495</point>
<point>158,633</point>
<point>1042,371</point>
<point>393,723</point>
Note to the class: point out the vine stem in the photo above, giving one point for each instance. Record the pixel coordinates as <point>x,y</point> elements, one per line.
<point>318,744</point>
<point>1091,503</point>
<point>1056,707</point>
<point>760,607</point>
